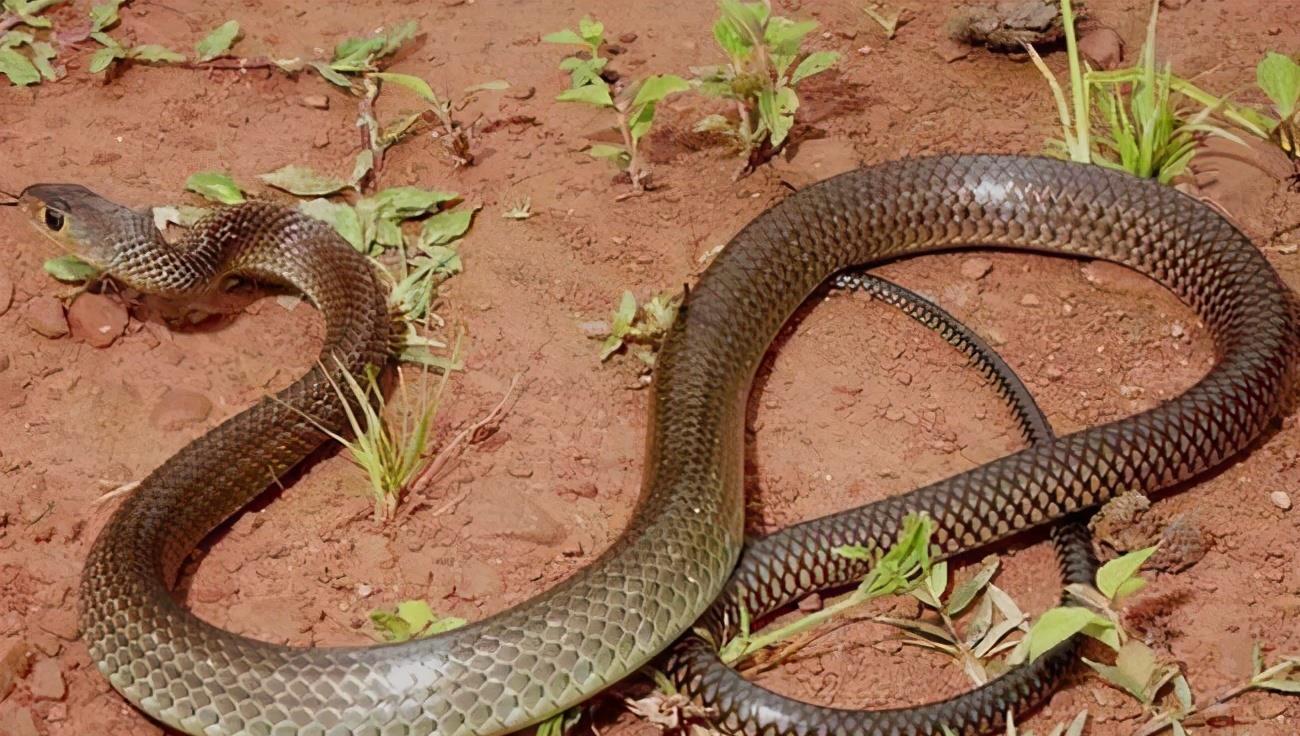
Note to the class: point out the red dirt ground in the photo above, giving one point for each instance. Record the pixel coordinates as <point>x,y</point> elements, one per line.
<point>857,403</point>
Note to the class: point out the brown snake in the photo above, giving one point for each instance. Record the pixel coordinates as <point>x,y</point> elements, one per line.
<point>529,662</point>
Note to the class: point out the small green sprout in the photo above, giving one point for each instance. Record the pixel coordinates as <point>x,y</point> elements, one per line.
<point>411,620</point>
<point>589,37</point>
<point>760,77</point>
<point>645,325</point>
<point>456,137</point>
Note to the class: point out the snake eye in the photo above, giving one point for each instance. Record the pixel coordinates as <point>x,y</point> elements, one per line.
<point>53,219</point>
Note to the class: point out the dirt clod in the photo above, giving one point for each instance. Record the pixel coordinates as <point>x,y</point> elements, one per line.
<point>976,268</point>
<point>179,408</point>
<point>44,314</point>
<point>97,320</point>
<point>1103,47</point>
<point>46,680</point>
<point>14,662</point>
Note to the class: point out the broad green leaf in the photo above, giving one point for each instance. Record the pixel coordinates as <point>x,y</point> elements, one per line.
<point>1281,685</point>
<point>354,53</point>
<point>104,15</point>
<point>583,72</point>
<point>616,155</point>
<point>402,203</point>
<point>1055,626</point>
<point>101,59</point>
<point>216,186</point>
<point>624,315</point>
<point>154,53</point>
<point>444,227</point>
<point>566,36</point>
<point>965,593</point>
<point>413,83</point>
<point>596,93</point>
<point>341,216</point>
<point>70,269</point>
<point>1279,77</point>
<point>855,552</point>
<point>1115,573</point>
<point>416,614</point>
<point>776,110</point>
<point>814,63</point>
<point>218,42</point>
<point>444,260</point>
<point>391,627</point>
<point>302,181</point>
<point>608,348</point>
<point>496,85</point>
<point>783,35</point>
<point>730,39</point>
<point>656,88</point>
<point>332,76</point>
<point>592,31</point>
<point>713,124</point>
<point>18,68</point>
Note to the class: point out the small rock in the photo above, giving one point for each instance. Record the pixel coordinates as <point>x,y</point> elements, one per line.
<point>597,330</point>
<point>1103,47</point>
<point>45,316</point>
<point>6,292</point>
<point>1054,372</point>
<point>322,138</point>
<point>97,320</point>
<point>1270,708</point>
<point>1030,300</point>
<point>904,378</point>
<point>521,93</point>
<point>319,102</point>
<point>179,408</point>
<point>627,38</point>
<point>13,665</point>
<point>1177,330</point>
<point>950,51</point>
<point>1280,499</point>
<point>976,268</point>
<point>1172,4</point>
<point>47,681</point>
<point>811,604</point>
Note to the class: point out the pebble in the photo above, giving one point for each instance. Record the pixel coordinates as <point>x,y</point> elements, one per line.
<point>1177,330</point>
<point>627,38</point>
<point>1030,300</point>
<point>322,138</point>
<point>179,408</point>
<point>811,604</point>
<point>6,292</point>
<point>976,268</point>
<point>1280,499</point>
<point>904,378</point>
<point>1103,47</point>
<point>97,320</point>
<point>594,330</point>
<point>47,681</point>
<point>319,102</point>
<point>521,93</point>
<point>45,316</point>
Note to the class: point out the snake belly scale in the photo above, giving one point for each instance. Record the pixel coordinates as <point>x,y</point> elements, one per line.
<point>524,664</point>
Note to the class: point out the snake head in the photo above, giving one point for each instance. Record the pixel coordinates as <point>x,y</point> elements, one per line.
<point>80,221</point>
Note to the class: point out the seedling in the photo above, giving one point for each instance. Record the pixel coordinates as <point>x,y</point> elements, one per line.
<point>456,137</point>
<point>105,16</point>
<point>984,636</point>
<point>633,104</point>
<point>519,210</point>
<point>36,64</point>
<point>760,77</point>
<point>411,620</point>
<point>644,326</point>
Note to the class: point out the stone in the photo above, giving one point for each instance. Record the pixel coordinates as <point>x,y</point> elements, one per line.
<point>502,512</point>
<point>318,102</point>
<point>1103,47</point>
<point>46,681</point>
<point>44,314</point>
<point>1280,499</point>
<point>6,292</point>
<point>1030,300</point>
<point>179,408</point>
<point>976,268</point>
<point>97,320</point>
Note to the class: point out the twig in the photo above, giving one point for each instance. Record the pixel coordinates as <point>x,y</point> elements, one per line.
<point>230,62</point>
<point>1161,722</point>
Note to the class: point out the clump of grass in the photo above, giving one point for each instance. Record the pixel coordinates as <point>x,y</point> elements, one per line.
<point>633,103</point>
<point>1132,119</point>
<point>760,77</point>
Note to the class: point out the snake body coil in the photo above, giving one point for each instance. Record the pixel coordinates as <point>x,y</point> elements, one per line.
<point>555,650</point>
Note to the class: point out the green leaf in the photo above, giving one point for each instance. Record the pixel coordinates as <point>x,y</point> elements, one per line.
<point>104,15</point>
<point>596,93</point>
<point>363,165</point>
<point>416,614</point>
<point>1279,77</point>
<point>444,227</point>
<point>401,203</point>
<point>1281,685</point>
<point>783,35</point>
<point>732,40</point>
<point>1115,573</point>
<point>216,186</point>
<point>302,181</point>
<point>616,155</point>
<point>814,63</point>
<point>218,42</point>
<point>624,315</point>
<point>101,59</point>
<point>965,593</point>
<point>70,269</point>
<point>397,37</point>
<point>332,76</point>
<point>566,36</point>
<point>153,53</point>
<point>592,31</point>
<point>413,83</point>
<point>17,68</point>
<point>341,216</point>
<point>1055,626</point>
<point>776,110</point>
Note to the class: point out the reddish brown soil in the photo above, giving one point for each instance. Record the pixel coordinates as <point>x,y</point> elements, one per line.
<point>857,402</point>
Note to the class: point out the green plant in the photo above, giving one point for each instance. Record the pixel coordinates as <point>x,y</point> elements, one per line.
<point>760,76</point>
<point>645,325</point>
<point>105,16</point>
<point>519,210</point>
<point>411,620</point>
<point>37,64</point>
<point>456,137</point>
<point>633,104</point>
<point>1279,77</point>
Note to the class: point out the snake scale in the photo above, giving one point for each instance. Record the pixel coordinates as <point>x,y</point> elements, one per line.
<point>684,540</point>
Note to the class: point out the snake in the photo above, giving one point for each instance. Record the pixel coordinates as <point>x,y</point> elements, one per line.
<point>684,539</point>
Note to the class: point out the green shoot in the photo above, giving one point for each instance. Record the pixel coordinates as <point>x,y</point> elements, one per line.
<point>760,77</point>
<point>519,210</point>
<point>357,56</point>
<point>216,186</point>
<point>900,569</point>
<point>456,137</point>
<point>36,64</point>
<point>1279,77</point>
<point>633,104</point>
<point>1076,128</point>
<point>645,326</point>
<point>411,620</point>
<point>105,16</point>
